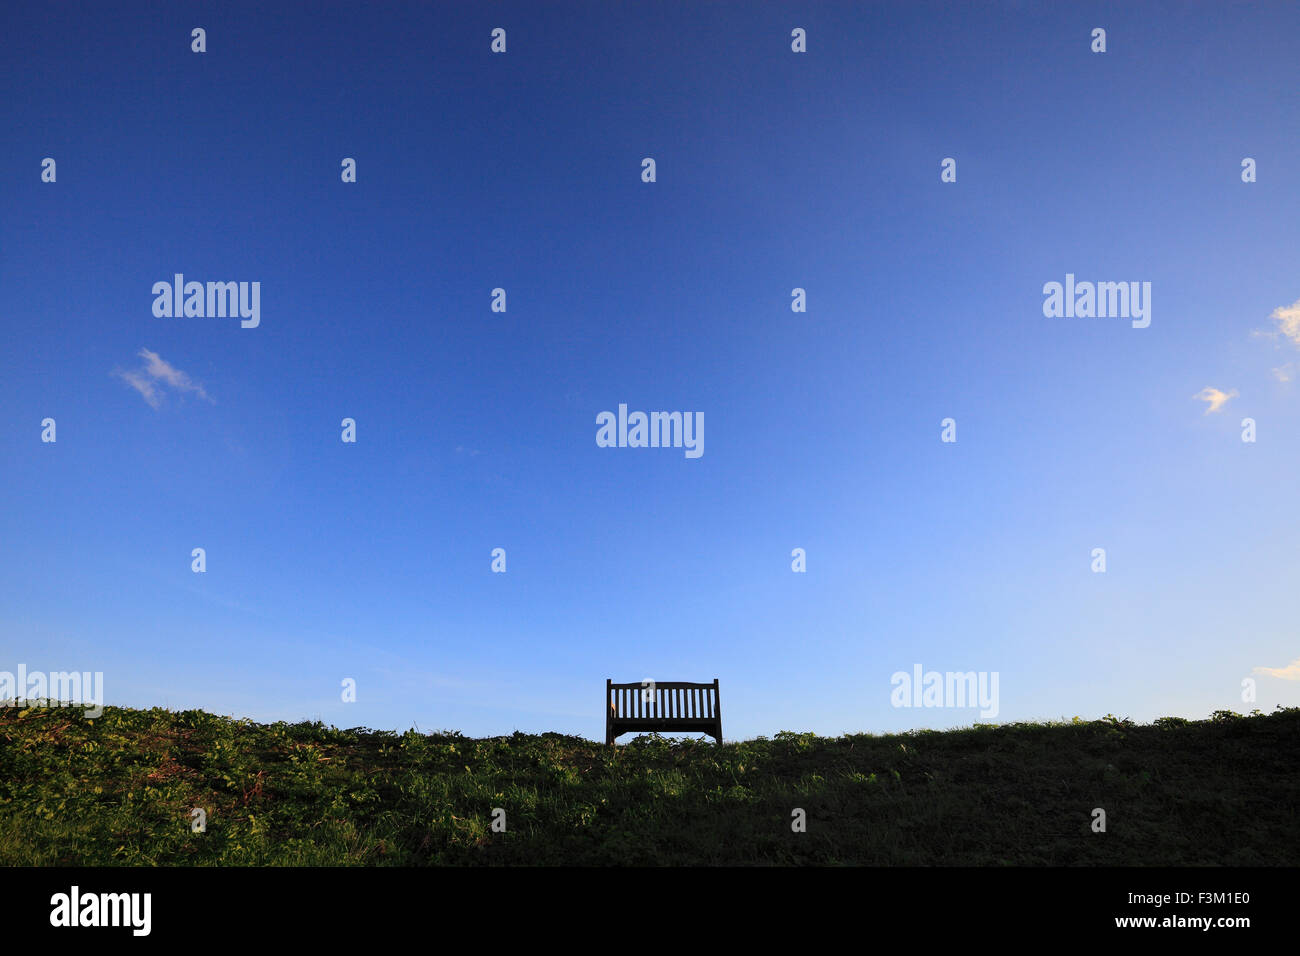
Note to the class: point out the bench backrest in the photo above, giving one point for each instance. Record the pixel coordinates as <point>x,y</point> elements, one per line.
<point>662,705</point>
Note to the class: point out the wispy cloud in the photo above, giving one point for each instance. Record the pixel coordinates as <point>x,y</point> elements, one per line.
<point>1215,397</point>
<point>1288,321</point>
<point>141,385</point>
<point>1290,672</point>
<point>1287,318</point>
<point>156,374</point>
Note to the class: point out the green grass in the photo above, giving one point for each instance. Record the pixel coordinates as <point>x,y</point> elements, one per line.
<point>119,790</point>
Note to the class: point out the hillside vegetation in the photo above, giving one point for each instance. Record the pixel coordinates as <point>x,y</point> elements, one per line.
<point>119,790</point>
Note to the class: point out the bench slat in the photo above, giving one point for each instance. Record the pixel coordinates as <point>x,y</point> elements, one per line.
<point>667,702</point>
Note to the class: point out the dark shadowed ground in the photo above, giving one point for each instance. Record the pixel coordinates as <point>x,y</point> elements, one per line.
<point>120,790</point>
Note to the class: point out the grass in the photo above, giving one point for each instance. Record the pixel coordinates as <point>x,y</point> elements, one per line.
<point>119,790</point>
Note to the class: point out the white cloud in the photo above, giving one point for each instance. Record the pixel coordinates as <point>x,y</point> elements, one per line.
<point>141,385</point>
<point>1290,672</point>
<point>157,372</point>
<point>1288,321</point>
<point>1215,397</point>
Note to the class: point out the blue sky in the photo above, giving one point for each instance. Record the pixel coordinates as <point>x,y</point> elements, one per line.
<point>476,430</point>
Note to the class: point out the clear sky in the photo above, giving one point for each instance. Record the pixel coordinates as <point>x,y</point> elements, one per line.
<point>476,429</point>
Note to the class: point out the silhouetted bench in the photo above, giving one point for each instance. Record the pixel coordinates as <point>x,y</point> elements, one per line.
<point>673,707</point>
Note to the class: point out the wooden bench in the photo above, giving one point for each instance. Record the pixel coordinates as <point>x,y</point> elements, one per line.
<point>673,707</point>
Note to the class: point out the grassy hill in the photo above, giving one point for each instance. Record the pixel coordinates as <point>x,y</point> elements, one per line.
<point>120,790</point>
